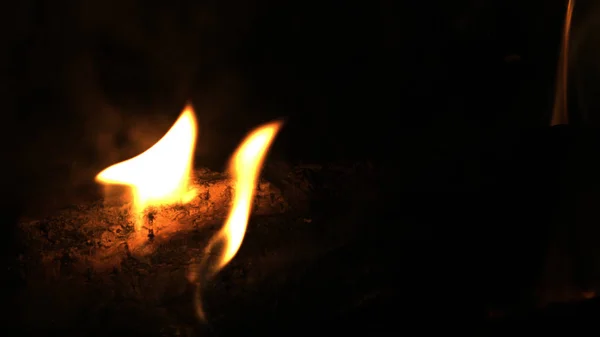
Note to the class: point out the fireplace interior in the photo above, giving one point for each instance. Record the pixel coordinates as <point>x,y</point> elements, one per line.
<point>415,185</point>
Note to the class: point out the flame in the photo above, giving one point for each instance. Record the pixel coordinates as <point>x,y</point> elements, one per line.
<point>244,167</point>
<point>160,175</point>
<point>560,110</point>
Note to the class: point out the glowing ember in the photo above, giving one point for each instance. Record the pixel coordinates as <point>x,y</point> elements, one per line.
<point>588,295</point>
<point>244,166</point>
<point>161,175</point>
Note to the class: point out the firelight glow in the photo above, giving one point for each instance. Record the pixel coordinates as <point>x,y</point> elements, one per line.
<point>161,175</point>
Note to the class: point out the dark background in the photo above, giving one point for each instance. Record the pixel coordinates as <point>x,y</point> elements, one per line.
<point>86,81</point>
<point>452,99</point>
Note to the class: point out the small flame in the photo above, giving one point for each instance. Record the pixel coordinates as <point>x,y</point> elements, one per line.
<point>244,166</point>
<point>560,112</point>
<point>161,175</point>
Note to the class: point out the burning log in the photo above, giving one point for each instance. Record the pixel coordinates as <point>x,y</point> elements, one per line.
<point>109,231</point>
<point>173,232</point>
<point>79,267</point>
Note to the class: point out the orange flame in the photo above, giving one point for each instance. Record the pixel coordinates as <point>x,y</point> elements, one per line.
<point>161,175</point>
<point>560,111</point>
<point>244,166</point>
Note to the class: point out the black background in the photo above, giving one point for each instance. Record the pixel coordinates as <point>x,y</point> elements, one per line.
<point>355,80</point>
<point>428,90</point>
